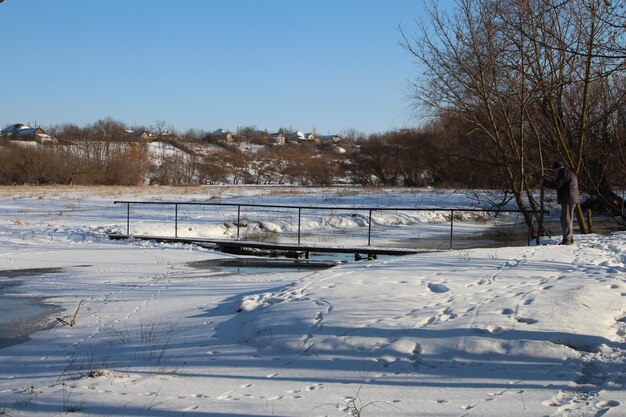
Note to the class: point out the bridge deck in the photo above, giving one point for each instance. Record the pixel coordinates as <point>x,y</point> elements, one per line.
<point>273,246</point>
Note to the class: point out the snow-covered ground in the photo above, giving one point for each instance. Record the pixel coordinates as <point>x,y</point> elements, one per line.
<point>519,331</point>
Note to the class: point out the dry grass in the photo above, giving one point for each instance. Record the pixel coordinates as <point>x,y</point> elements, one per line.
<point>151,341</point>
<point>204,192</point>
<point>262,236</point>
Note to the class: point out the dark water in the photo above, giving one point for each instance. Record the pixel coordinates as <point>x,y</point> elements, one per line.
<point>21,315</point>
<point>251,266</point>
<point>29,272</point>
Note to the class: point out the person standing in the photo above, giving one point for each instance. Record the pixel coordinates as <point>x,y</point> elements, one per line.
<point>566,186</point>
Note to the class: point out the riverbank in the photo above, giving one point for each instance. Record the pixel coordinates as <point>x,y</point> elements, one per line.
<point>22,315</point>
<point>534,330</point>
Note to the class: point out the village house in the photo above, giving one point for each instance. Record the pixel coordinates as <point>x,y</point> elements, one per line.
<point>330,138</point>
<point>20,131</point>
<point>222,135</point>
<point>277,138</point>
<point>139,134</point>
<point>262,135</point>
<point>295,137</point>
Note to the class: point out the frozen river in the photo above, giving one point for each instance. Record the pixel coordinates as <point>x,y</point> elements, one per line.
<point>20,315</point>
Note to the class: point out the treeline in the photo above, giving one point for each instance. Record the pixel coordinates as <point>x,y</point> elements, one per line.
<point>445,153</point>
<point>103,154</point>
<point>90,163</point>
<point>529,82</point>
<point>109,129</point>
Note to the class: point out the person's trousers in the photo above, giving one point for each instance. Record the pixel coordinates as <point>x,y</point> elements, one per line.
<point>567,222</point>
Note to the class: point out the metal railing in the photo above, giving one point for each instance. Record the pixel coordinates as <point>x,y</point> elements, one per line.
<point>285,210</point>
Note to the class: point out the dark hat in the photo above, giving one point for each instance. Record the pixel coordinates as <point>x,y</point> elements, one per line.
<point>557,165</point>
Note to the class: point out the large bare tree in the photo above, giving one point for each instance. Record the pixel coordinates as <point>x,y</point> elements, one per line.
<point>531,77</point>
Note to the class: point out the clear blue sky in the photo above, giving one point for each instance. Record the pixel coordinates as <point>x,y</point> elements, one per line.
<point>327,65</point>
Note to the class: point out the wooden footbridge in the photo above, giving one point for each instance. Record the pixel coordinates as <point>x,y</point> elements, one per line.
<point>276,248</point>
<point>182,217</point>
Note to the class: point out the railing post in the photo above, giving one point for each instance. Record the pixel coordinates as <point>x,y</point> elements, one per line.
<point>451,227</point>
<point>530,228</point>
<point>370,210</point>
<point>176,220</point>
<point>238,219</point>
<point>539,227</point>
<point>369,230</point>
<point>299,222</point>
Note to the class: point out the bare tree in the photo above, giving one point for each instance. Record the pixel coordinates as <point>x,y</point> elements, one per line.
<point>107,129</point>
<point>212,170</point>
<point>523,75</point>
<point>378,162</point>
<point>577,64</point>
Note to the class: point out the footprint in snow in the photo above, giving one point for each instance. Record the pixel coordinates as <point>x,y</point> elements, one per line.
<point>482,281</point>
<point>387,360</point>
<point>447,314</point>
<point>426,322</point>
<point>607,404</point>
<point>437,288</point>
<point>193,407</point>
<point>526,320</point>
<point>493,329</point>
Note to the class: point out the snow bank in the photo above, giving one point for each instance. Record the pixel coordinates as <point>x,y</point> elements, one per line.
<point>524,331</point>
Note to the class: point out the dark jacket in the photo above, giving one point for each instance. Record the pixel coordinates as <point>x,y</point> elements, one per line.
<point>566,186</point>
